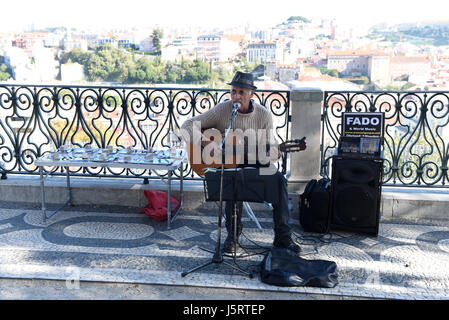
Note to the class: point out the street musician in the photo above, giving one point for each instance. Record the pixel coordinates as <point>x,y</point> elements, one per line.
<point>256,119</point>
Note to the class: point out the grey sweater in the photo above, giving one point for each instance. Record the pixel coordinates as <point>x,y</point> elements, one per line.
<point>219,117</point>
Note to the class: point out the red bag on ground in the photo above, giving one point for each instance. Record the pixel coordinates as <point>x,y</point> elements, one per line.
<point>157,205</point>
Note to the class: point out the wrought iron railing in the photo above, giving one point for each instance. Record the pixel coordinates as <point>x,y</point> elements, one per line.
<point>36,119</point>
<point>416,133</point>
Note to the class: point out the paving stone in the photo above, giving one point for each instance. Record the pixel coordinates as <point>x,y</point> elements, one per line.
<point>119,245</point>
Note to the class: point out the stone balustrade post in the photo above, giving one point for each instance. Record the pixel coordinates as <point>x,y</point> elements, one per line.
<point>306,107</point>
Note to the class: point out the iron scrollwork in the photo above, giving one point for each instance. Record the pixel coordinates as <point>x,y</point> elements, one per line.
<point>37,119</point>
<point>416,133</point>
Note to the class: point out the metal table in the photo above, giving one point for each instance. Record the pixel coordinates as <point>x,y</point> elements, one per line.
<point>122,158</point>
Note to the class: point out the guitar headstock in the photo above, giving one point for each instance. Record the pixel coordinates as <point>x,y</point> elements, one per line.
<point>293,145</point>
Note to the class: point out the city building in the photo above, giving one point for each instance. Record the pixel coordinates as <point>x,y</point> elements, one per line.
<point>283,72</point>
<point>124,43</point>
<point>313,79</point>
<point>379,69</point>
<point>72,72</point>
<point>415,69</point>
<point>69,43</point>
<point>53,39</point>
<point>282,49</point>
<point>28,40</point>
<point>45,65</point>
<point>15,56</point>
<point>209,47</point>
<point>349,63</point>
<point>146,45</point>
<point>5,40</point>
<point>187,43</point>
<point>375,64</point>
<point>262,51</point>
<point>216,48</point>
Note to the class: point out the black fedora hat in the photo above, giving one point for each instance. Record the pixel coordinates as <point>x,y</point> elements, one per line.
<point>244,80</point>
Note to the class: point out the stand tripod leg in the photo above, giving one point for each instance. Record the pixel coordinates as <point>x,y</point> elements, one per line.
<point>210,262</point>
<point>196,268</point>
<point>249,274</point>
<point>218,257</point>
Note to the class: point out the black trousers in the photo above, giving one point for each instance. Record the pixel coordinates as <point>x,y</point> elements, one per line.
<point>280,208</point>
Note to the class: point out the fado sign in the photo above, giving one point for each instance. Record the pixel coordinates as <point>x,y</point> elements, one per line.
<point>363,124</point>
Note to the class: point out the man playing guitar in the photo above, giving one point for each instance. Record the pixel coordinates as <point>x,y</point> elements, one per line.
<point>252,117</point>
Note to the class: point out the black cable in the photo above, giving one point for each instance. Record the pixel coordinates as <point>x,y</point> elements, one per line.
<point>258,246</point>
<point>246,248</point>
<point>255,267</point>
<point>317,240</point>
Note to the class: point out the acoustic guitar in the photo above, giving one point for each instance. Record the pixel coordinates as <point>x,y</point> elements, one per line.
<point>199,166</point>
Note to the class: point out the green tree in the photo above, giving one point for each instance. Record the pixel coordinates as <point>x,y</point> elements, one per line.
<point>5,72</point>
<point>243,65</point>
<point>331,72</point>
<point>75,55</point>
<point>300,18</point>
<point>219,77</point>
<point>157,39</point>
<point>106,63</point>
<point>109,64</point>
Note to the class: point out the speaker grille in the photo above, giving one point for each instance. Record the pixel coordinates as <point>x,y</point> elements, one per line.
<point>356,194</point>
<point>355,205</point>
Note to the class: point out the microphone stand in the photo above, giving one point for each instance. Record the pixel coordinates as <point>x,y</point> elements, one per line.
<point>218,256</point>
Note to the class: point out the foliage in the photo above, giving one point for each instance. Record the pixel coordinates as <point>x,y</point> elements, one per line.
<point>361,80</point>
<point>107,63</point>
<point>331,72</point>
<point>407,86</point>
<point>157,36</point>
<point>300,18</point>
<point>76,55</point>
<point>5,72</point>
<point>243,65</point>
<point>398,87</point>
<point>437,35</point>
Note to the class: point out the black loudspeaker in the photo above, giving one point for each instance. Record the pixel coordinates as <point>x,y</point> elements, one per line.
<point>356,194</point>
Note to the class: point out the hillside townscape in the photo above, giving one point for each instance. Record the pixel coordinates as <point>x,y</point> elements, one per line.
<point>298,52</point>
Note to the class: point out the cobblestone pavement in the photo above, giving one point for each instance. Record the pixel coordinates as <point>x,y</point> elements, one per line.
<point>119,245</point>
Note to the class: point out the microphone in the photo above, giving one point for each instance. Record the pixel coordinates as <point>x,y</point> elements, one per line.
<point>236,107</point>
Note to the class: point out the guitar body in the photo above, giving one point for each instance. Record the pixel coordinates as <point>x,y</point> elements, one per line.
<point>199,168</point>
<point>199,164</point>
<point>232,160</point>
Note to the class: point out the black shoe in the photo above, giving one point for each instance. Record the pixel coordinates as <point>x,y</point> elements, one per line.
<point>228,245</point>
<point>287,243</point>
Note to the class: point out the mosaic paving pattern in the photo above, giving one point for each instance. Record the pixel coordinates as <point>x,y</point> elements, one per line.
<point>405,261</point>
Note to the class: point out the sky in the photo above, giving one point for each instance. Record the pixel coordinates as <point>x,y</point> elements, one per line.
<point>208,13</point>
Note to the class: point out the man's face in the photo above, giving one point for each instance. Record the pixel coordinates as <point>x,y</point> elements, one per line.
<point>242,96</point>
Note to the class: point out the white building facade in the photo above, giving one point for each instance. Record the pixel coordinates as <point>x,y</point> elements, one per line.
<point>262,52</point>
